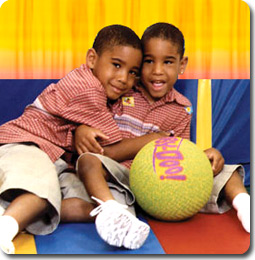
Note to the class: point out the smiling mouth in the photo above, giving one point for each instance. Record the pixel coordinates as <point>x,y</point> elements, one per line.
<point>158,84</point>
<point>116,90</point>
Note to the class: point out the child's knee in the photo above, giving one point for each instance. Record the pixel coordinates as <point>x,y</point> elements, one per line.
<point>87,162</point>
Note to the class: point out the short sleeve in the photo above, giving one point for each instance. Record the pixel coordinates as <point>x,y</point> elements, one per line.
<point>80,98</point>
<point>183,128</point>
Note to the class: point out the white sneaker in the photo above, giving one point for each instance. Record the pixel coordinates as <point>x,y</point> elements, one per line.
<point>117,226</point>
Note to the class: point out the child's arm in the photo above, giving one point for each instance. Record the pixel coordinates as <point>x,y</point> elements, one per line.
<point>127,149</point>
<point>86,141</point>
<point>216,159</point>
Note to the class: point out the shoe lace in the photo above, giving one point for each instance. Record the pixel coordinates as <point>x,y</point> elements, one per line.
<point>103,205</point>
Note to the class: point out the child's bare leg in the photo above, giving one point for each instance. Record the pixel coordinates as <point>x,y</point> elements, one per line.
<point>233,187</point>
<point>76,210</point>
<point>94,177</point>
<point>22,211</point>
<point>236,195</point>
<point>26,208</point>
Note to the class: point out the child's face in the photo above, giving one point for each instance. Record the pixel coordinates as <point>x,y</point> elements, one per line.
<point>161,66</point>
<point>117,69</point>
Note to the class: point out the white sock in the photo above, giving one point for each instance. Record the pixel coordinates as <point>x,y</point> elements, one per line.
<point>2,210</point>
<point>9,228</point>
<point>241,203</point>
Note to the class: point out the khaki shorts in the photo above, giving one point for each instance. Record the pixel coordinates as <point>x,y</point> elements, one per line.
<point>71,186</point>
<point>25,167</point>
<point>217,203</point>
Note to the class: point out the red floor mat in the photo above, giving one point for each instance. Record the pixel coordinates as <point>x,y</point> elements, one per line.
<point>203,234</point>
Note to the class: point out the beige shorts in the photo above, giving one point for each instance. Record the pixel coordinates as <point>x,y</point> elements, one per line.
<point>217,203</point>
<point>71,186</point>
<point>25,167</point>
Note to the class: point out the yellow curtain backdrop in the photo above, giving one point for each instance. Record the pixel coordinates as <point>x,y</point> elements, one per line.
<point>47,39</point>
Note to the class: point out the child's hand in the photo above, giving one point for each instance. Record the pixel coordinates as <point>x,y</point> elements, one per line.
<point>86,139</point>
<point>216,159</point>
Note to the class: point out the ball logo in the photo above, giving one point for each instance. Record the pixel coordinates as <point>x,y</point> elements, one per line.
<point>167,159</point>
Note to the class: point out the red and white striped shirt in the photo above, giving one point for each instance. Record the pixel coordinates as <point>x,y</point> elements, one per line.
<point>78,98</point>
<point>136,116</point>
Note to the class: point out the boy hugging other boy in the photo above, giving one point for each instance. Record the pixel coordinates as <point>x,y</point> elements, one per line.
<point>152,107</point>
<point>34,146</point>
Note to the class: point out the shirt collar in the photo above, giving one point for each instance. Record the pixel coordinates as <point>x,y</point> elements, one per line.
<point>172,96</point>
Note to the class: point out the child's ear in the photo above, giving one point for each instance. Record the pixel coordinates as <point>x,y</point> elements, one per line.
<point>91,58</point>
<point>184,62</point>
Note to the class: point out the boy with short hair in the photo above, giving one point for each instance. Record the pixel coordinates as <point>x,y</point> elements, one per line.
<point>153,107</point>
<point>164,46</point>
<point>34,146</point>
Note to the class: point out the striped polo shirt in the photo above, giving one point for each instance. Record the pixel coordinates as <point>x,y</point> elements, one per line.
<point>136,116</point>
<point>78,98</point>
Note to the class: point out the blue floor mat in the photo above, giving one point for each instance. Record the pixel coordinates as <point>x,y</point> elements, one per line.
<point>82,238</point>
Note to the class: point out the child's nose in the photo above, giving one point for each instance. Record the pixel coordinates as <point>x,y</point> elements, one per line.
<point>123,77</point>
<point>158,68</point>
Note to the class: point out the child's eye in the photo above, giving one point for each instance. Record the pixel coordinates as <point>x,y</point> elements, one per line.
<point>134,73</point>
<point>116,65</point>
<point>149,61</point>
<point>168,62</point>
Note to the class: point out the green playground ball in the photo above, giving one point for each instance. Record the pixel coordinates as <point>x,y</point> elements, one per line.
<point>171,178</point>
